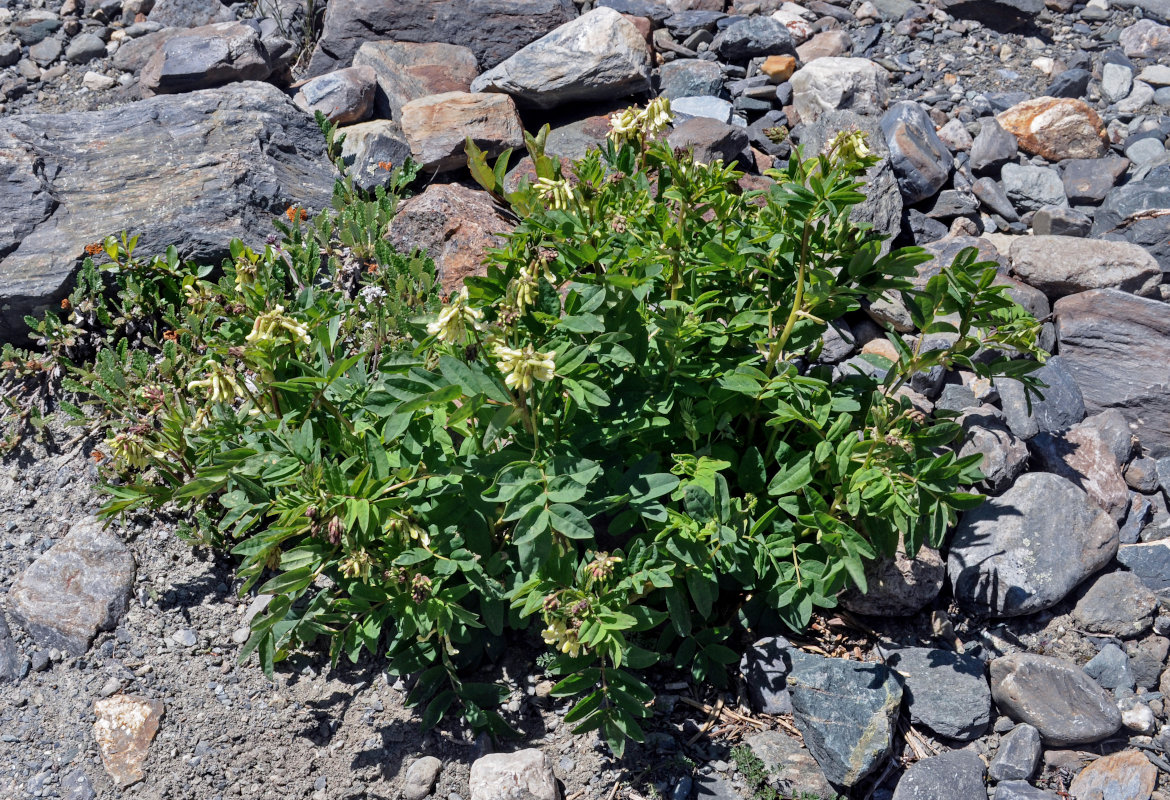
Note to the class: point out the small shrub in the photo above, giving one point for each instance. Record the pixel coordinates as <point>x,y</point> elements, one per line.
<point>622,436</point>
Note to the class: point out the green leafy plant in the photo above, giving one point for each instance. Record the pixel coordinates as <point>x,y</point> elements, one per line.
<point>623,435</point>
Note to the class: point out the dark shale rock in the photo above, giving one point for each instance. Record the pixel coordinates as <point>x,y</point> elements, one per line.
<point>1055,696</point>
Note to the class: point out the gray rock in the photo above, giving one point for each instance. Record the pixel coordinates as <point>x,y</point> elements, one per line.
<point>711,140</point>
<point>998,14</point>
<point>46,51</point>
<point>1017,756</point>
<point>1117,604</point>
<point>9,656</point>
<point>1150,562</point>
<point>994,199</point>
<point>921,162</point>
<point>1089,180</point>
<point>34,26</point>
<point>702,107</point>
<point>755,36</point>
<point>1058,221</point>
<point>956,775</point>
<point>846,711</point>
<point>689,77</point>
<point>1142,473</point>
<point>1072,83</point>
<point>420,778</point>
<point>787,758</point>
<point>831,84</point>
<point>406,71</point>
<point>523,775</point>
<point>576,138</point>
<point>206,57</point>
<point>1026,550</point>
<point>598,56</point>
<point>1055,696</point>
<point>765,666</point>
<point>193,170</point>
<point>1145,39</point>
<point>1147,658</point>
<point>437,127</point>
<point>78,587</point>
<point>133,54</point>
<point>1061,407</point>
<point>368,146</point>
<point>1022,790</point>
<point>898,586</point>
<point>1141,96</point>
<point>1004,455</point>
<point>1031,188</point>
<point>993,146</point>
<point>189,13</point>
<point>1116,82</point>
<point>493,29</point>
<point>1109,340</point>
<point>9,53</point>
<point>1110,668</point>
<point>76,786</point>
<point>1137,212</point>
<point>655,12</point>
<point>1146,151</point>
<point>1081,456</point>
<point>344,97</point>
<point>84,48</point>
<point>944,691</point>
<point>952,203</point>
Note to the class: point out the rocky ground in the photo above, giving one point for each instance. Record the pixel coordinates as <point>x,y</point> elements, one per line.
<point>1025,660</point>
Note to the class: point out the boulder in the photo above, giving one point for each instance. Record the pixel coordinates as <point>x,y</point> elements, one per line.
<point>1150,561</point>
<point>1061,405</point>
<point>1089,180</point>
<point>1127,775</point>
<point>369,147</point>
<point>526,774</point>
<point>830,84</point>
<point>765,666</point>
<point>689,77</point>
<point>78,587</point>
<point>1056,128</point>
<point>1032,188</point>
<point>710,140</point>
<point>985,431</point>
<point>437,127</point>
<point>1139,212</point>
<point>787,758</point>
<point>133,54</point>
<point>598,56</point>
<point>573,140</point>
<point>1061,221</point>
<point>1022,790</point>
<point>702,107</point>
<point>455,225</point>
<point>1027,549</point>
<point>206,57</point>
<point>921,161</point>
<point>189,13</point>
<point>1054,696</point>
<point>193,170</point>
<point>1117,346</point>
<point>955,775</point>
<point>753,37</point>
<point>1064,265</point>
<point>1002,15</point>
<point>826,44</point>
<point>1145,39</point>
<point>493,29</point>
<point>1082,456</point>
<point>946,692</point>
<point>345,96</point>
<point>406,71</point>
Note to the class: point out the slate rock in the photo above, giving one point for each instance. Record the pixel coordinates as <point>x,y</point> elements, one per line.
<point>765,666</point>
<point>573,140</point>
<point>921,162</point>
<point>9,656</point>
<point>1056,128</point>
<point>702,107</point>
<point>46,51</point>
<point>123,731</point>
<point>956,775</point>
<point>1147,658</point>
<point>952,203</point>
<point>1081,456</point>
<point>945,691</point>
<point>846,711</point>
<point>1110,668</point>
<point>1017,756</point>
<point>710,140</point>
<point>687,23</point>
<point>133,54</point>
<point>1002,15</point>
<point>206,57</point>
<point>524,774</point>
<point>1025,550</point>
<point>1072,83</point>
<point>992,196</point>
<point>34,26</point>
<point>78,587</point>
<point>831,84</point>
<point>786,757</point>
<point>455,225</point>
<point>1060,221</point>
<point>345,96</point>
<point>898,586</point>
<point>193,170</point>
<point>655,12</point>
<point>1031,188</point>
<point>1150,561</point>
<point>755,36</point>
<point>1055,696</point>
<point>438,125</point>
<point>1005,456</point>
<point>1137,212</point>
<point>1116,346</point>
<point>599,56</point>
<point>1116,82</point>
<point>1116,604</point>
<point>1127,775</point>
<point>368,147</point>
<point>84,48</point>
<point>689,77</point>
<point>406,71</point>
<point>993,146</point>
<point>1061,407</point>
<point>493,29</point>
<point>189,13</point>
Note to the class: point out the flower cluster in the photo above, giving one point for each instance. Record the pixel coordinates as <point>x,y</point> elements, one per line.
<point>131,450</point>
<point>221,386</point>
<point>635,123</point>
<point>521,366</point>
<point>849,145</point>
<point>454,319</point>
<point>273,326</point>
<point>556,192</point>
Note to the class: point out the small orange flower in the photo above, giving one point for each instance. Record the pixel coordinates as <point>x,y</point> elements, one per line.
<point>293,212</point>
<point>65,304</point>
<point>94,249</point>
<point>371,267</point>
<point>386,165</point>
<point>171,336</point>
<point>98,456</point>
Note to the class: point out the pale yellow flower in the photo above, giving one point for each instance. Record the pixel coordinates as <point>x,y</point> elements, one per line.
<point>521,366</point>
<point>220,386</point>
<point>131,450</point>
<point>560,636</point>
<point>456,316</point>
<point>556,193</point>
<point>656,116</point>
<point>274,325</point>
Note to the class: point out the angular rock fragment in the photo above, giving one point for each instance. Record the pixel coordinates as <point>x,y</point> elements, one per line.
<point>406,71</point>
<point>124,729</point>
<point>345,96</point>
<point>1056,128</point>
<point>921,161</point>
<point>1064,265</point>
<point>206,57</point>
<point>830,84</point>
<point>438,126</point>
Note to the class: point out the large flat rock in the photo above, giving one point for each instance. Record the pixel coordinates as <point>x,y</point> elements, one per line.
<point>1117,346</point>
<point>1055,696</point>
<point>193,170</point>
